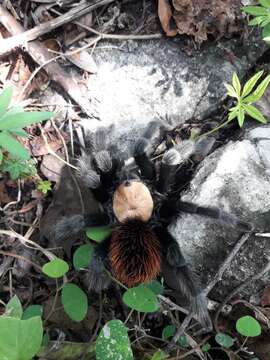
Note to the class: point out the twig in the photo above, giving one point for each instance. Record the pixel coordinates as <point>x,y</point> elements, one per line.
<point>6,253</point>
<point>20,39</point>
<point>180,331</point>
<point>41,56</point>
<point>115,36</point>
<point>237,290</point>
<point>226,263</point>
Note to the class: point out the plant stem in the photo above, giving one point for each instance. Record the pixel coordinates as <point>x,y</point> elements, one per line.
<point>216,128</point>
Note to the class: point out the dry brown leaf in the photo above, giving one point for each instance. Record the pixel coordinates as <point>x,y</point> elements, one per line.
<point>4,197</point>
<point>51,167</point>
<point>165,17</point>
<point>84,61</point>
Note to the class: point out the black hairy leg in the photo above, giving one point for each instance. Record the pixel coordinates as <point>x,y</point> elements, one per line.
<point>178,275</point>
<point>144,149</point>
<point>170,209</point>
<point>69,226</point>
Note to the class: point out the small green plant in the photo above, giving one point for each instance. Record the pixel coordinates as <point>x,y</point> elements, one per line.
<point>14,158</point>
<point>44,186</point>
<point>261,14</point>
<point>245,97</point>
<point>21,337</point>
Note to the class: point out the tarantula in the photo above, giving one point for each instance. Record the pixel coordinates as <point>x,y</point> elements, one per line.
<point>140,200</point>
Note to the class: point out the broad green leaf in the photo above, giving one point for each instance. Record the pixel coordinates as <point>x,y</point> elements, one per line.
<point>265,3</point>
<point>249,85</point>
<point>248,326</point>
<point>230,90</point>
<point>224,340</point>
<point>241,116</point>
<point>257,20</point>
<point>83,256</point>
<point>74,301</point>
<point>254,113</point>
<point>55,268</point>
<point>113,342</point>
<point>255,10</point>
<point>98,234</point>
<point>206,347</point>
<point>168,332</point>
<point>14,308</point>
<point>156,287</point>
<point>32,311</point>
<point>19,132</point>
<point>159,355</point>
<point>20,120</point>
<point>5,99</point>
<point>266,33</point>
<point>141,298</point>
<point>1,156</point>
<point>20,339</point>
<point>183,341</point>
<point>265,22</point>
<point>9,143</point>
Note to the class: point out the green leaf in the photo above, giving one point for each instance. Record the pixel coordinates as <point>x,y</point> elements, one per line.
<point>44,186</point>
<point>233,114</point>
<point>156,287</point>
<point>183,341</point>
<point>22,119</point>
<point>258,93</point>
<point>18,168</point>
<point>1,156</point>
<point>255,10</point>
<point>141,298</point>
<point>99,234</point>
<point>224,340</point>
<point>248,326</point>
<point>265,3</point>
<point>266,33</point>
<point>5,99</point>
<point>55,268</point>
<point>168,332</point>
<point>241,117</point>
<point>257,20</point>
<point>32,311</point>
<point>230,90</point>
<point>159,355</point>
<point>249,85</point>
<point>19,132</point>
<point>83,256</point>
<point>236,84</point>
<point>263,24</point>
<point>14,308</point>
<point>10,144</point>
<point>206,347</point>
<point>254,113</point>
<point>113,342</point>
<point>74,301</point>
<point>20,339</point>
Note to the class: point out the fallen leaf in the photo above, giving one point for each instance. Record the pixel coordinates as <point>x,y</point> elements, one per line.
<point>84,61</point>
<point>51,167</point>
<point>4,197</point>
<point>165,17</point>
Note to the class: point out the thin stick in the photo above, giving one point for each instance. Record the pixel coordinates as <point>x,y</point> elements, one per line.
<point>180,331</point>
<point>227,263</point>
<point>11,43</point>
<point>238,289</point>
<point>6,253</point>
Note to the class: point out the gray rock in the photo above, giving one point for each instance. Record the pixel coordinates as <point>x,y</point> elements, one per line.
<point>137,82</point>
<point>236,178</point>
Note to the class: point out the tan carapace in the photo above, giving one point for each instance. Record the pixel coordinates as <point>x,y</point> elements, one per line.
<point>132,200</point>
